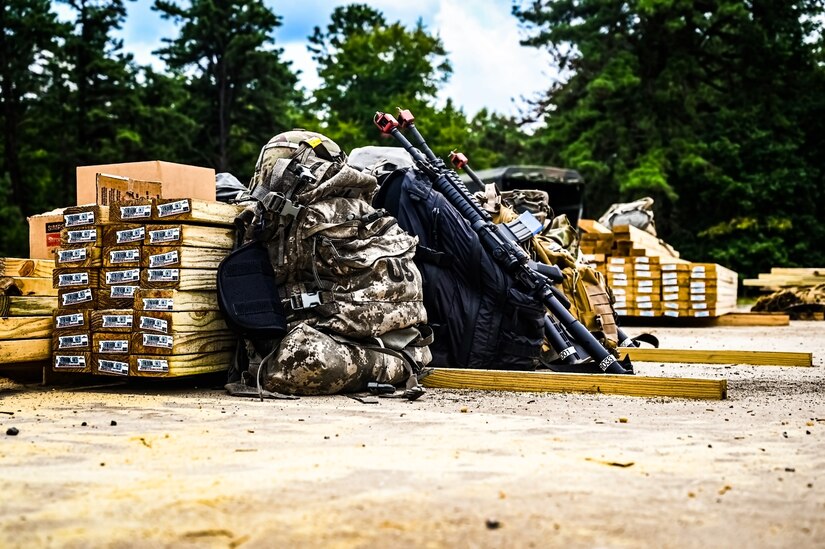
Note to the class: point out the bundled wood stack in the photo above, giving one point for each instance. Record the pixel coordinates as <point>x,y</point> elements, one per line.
<point>781,278</point>
<point>27,300</point>
<point>136,288</point>
<point>648,278</point>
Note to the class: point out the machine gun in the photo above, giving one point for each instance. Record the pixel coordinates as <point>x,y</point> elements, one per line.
<point>560,326</point>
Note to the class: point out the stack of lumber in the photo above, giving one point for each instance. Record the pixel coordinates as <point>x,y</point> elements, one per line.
<point>137,288</point>
<point>780,278</point>
<point>649,279</point>
<point>27,300</point>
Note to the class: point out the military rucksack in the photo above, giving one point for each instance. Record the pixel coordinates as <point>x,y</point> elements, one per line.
<point>348,288</point>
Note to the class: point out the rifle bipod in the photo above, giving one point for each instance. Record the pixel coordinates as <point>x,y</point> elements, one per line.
<point>561,327</point>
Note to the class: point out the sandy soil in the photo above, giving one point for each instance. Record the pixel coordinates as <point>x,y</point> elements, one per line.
<point>184,466</point>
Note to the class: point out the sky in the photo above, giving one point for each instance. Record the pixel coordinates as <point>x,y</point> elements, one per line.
<point>490,68</point>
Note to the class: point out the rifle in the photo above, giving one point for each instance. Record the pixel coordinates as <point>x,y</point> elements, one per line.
<point>505,251</point>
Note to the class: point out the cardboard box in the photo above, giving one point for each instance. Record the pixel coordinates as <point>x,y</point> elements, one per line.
<point>178,180</point>
<point>44,234</point>
<point>116,188</point>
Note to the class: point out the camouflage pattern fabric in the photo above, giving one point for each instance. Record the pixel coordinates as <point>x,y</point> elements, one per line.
<point>347,278</point>
<point>797,302</point>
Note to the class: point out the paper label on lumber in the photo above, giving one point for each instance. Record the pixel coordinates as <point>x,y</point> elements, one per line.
<point>670,305</point>
<point>670,297</point>
<point>83,236</point>
<point>113,346</point>
<point>641,266</point>
<point>621,312</point>
<point>699,305</point>
<point>120,277</point>
<point>117,321</point>
<point>124,256</point>
<point>647,290</point>
<point>161,260</point>
<point>697,297</point>
<point>130,235</point>
<point>123,291</point>
<point>646,283</point>
<point>697,285</point>
<point>166,235</point>
<point>149,365</point>
<point>73,279</point>
<point>138,211</point>
<point>644,304</point>
<point>156,340</point>
<point>701,314</point>
<point>81,296</point>
<point>68,321</point>
<point>113,367</point>
<point>158,303</point>
<point>647,313</point>
<point>173,208</point>
<point>156,324</point>
<point>671,313</point>
<point>617,261</point>
<point>646,274</point>
<point>71,256</point>
<point>619,282</point>
<point>163,275</point>
<point>643,298</point>
<point>72,341</point>
<point>69,361</point>
<point>78,219</point>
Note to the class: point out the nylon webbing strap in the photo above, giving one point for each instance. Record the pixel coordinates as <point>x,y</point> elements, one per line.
<point>255,307</point>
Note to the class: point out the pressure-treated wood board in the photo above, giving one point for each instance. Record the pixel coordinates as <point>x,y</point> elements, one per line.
<point>86,216</point>
<point>34,286</point>
<point>121,296</point>
<point>25,350</point>
<point>551,382</point>
<point>111,343</point>
<point>182,343</point>
<point>112,320</point>
<point>137,210</point>
<point>729,319</point>
<point>26,327</point>
<point>195,211</point>
<point>698,356</point>
<point>71,341</point>
<point>80,236</point>
<point>186,257</point>
<point>123,234</point>
<point>199,236</point>
<point>80,256</point>
<point>164,322</point>
<point>180,279</point>
<point>76,362</point>
<point>175,300</point>
<point>27,306</point>
<point>74,299</point>
<point>14,266</point>
<point>176,366</point>
<point>68,320</point>
<point>122,257</point>
<point>115,276</point>
<point>110,365</point>
<point>87,277</point>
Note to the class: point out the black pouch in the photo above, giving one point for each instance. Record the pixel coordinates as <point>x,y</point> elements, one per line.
<point>248,296</point>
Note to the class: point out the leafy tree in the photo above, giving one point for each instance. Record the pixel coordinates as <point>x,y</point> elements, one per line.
<point>369,64</point>
<point>711,107</point>
<point>240,91</point>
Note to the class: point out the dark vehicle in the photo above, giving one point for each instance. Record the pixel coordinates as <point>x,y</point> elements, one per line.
<point>565,187</point>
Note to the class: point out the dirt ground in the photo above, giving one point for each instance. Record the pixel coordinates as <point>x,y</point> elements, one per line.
<point>185,466</point>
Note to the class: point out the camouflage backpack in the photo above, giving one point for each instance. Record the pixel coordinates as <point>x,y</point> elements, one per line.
<point>347,285</point>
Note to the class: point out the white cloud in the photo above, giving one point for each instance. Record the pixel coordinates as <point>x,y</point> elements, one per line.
<point>302,60</point>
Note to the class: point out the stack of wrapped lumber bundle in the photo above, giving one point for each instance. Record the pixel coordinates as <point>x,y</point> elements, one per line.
<point>137,288</point>
<point>27,300</point>
<point>648,278</point>
<point>780,278</point>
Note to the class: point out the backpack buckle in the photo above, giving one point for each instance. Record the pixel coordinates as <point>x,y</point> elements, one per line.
<point>307,300</point>
<point>281,205</point>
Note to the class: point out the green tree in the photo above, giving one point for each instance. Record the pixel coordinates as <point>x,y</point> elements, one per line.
<point>710,107</point>
<point>240,91</point>
<point>368,64</point>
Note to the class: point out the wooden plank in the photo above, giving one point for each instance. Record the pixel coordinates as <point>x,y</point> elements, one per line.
<point>798,271</point>
<point>112,320</point>
<point>182,343</point>
<point>115,276</point>
<point>80,256</point>
<point>80,236</point>
<point>13,266</point>
<point>752,319</point>
<point>75,362</point>
<point>34,286</point>
<point>25,350</point>
<point>175,300</point>
<point>136,210</point>
<point>191,210</point>
<point>122,257</point>
<point>186,257</point>
<point>198,236</point>
<point>498,380</point>
<point>165,322</point>
<point>67,320</point>
<point>71,341</point>
<point>591,226</point>
<point>27,306</point>
<point>86,216</point>
<point>123,234</point>
<point>729,319</point>
<point>699,356</point>
<point>121,296</point>
<point>176,366</point>
<point>180,279</point>
<point>110,365</point>
<point>30,327</point>
<point>74,299</point>
<point>111,343</point>
<point>76,278</point>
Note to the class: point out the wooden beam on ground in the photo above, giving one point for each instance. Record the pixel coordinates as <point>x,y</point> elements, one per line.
<point>552,382</point>
<point>725,320</point>
<point>25,350</point>
<point>699,356</point>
